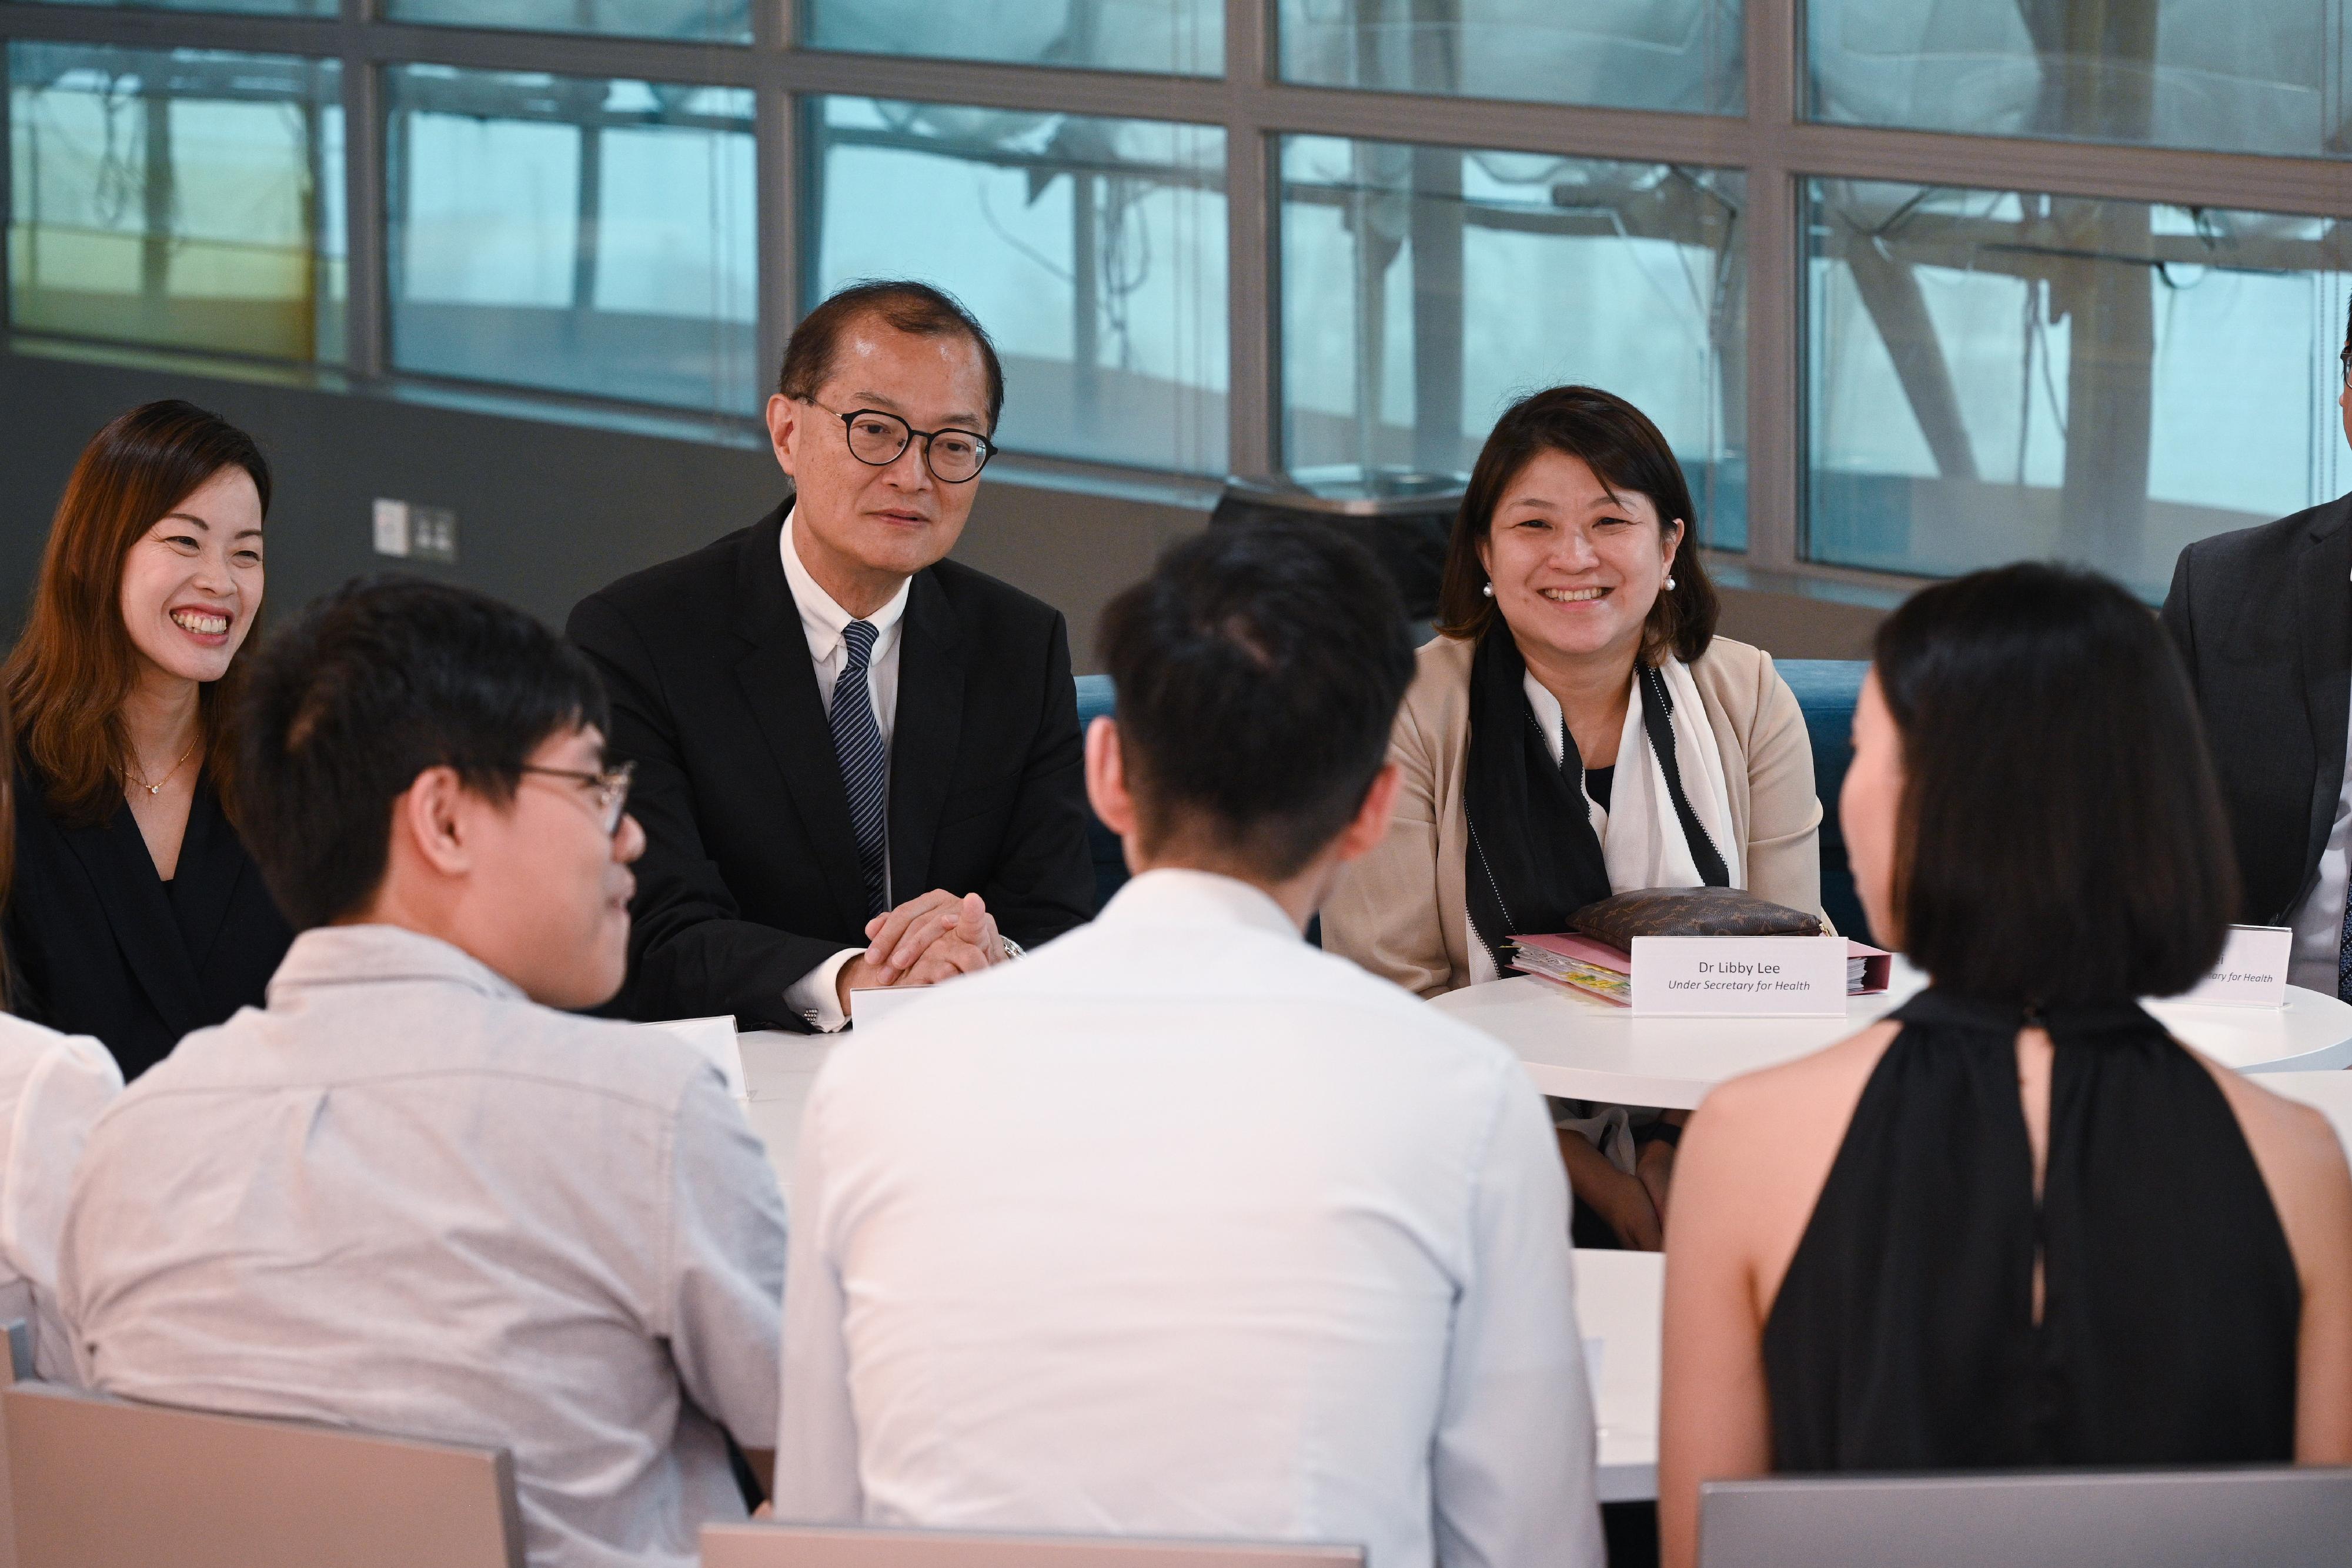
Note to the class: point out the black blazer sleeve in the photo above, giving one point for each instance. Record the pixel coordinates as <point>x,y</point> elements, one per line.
<point>1045,882</point>
<point>691,952</point>
<point>2180,619</point>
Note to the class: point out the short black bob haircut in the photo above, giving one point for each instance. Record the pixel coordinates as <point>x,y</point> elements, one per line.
<point>1627,452</point>
<point>375,683</point>
<point>899,302</point>
<point>1258,671</point>
<point>2060,838</point>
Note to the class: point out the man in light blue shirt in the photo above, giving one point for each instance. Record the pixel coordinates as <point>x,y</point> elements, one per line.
<point>410,1195</point>
<point>1179,1227</point>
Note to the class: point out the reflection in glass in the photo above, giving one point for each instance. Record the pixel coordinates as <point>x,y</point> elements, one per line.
<point>1996,376</point>
<point>1619,54</point>
<point>714,21</point>
<point>588,235</point>
<point>2217,74</point>
<point>1183,38</point>
<point>1423,288</point>
<point>1092,250</point>
<point>181,198</point>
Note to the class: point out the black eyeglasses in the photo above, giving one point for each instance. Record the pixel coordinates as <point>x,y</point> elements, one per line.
<point>611,787</point>
<point>953,456</point>
<point>2345,358</point>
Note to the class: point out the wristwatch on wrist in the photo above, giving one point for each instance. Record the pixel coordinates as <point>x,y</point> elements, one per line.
<point>1011,948</point>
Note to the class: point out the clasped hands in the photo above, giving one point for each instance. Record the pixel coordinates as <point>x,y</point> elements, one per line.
<point>923,941</point>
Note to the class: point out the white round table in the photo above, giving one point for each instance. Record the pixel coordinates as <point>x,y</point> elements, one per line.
<point>1578,1048</point>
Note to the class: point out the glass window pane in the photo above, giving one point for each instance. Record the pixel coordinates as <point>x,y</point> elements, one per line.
<point>1425,289</point>
<point>183,198</point>
<point>2216,74</point>
<point>588,235</point>
<point>1183,38</point>
<point>1995,376</point>
<point>1619,54</point>
<point>713,21</point>
<point>1092,250</point>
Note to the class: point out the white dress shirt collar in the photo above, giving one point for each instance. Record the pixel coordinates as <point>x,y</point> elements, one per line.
<point>1176,895</point>
<point>341,955</point>
<point>822,616</point>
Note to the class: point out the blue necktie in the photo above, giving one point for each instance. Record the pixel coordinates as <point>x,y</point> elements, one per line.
<point>865,760</point>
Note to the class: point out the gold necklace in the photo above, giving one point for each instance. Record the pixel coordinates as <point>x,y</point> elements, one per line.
<point>157,787</point>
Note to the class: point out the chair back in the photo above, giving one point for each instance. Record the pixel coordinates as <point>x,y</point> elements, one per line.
<point>811,1546</point>
<point>99,1482</point>
<point>2246,1517</point>
<point>1826,691</point>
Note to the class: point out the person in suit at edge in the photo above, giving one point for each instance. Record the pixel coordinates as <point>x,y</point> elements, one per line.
<point>2262,618</point>
<point>137,915</point>
<point>858,762</point>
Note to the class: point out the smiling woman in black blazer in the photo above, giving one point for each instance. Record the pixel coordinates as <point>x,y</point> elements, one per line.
<point>136,914</point>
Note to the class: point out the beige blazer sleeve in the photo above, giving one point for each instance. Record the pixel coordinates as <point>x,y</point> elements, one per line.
<point>1401,911</point>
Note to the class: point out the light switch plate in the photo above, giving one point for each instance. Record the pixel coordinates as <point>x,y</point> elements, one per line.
<point>391,527</point>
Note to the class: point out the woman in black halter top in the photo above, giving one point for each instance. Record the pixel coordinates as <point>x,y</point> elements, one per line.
<point>2017,1224</point>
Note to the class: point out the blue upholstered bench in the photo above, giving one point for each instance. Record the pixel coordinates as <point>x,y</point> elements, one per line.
<point>1826,689</point>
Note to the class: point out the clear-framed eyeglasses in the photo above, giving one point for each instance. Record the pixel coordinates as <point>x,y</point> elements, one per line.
<point>878,437</point>
<point>609,789</point>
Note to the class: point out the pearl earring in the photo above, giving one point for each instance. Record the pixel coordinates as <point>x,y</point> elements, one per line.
<point>1488,590</point>
<point>1670,582</point>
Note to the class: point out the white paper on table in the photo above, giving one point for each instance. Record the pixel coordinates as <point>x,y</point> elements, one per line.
<point>2253,970</point>
<point>714,1038</point>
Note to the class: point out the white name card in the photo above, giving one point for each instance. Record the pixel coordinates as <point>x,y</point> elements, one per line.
<point>715,1039</point>
<point>2253,970</point>
<point>1741,977</point>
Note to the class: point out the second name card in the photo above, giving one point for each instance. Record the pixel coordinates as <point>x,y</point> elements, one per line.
<point>1741,977</point>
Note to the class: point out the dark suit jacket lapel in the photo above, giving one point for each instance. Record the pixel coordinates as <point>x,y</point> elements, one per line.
<point>2323,584</point>
<point>926,733</point>
<point>779,685</point>
<point>139,910</point>
<point>212,861</point>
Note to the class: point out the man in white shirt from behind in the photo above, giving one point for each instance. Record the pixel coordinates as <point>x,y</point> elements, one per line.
<point>52,1088</point>
<point>409,1195</point>
<point>1179,1227</point>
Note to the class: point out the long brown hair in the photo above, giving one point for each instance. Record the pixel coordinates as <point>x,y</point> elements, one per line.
<point>68,676</point>
<point>1625,451</point>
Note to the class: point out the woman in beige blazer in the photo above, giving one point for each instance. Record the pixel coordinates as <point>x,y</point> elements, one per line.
<point>1625,745</point>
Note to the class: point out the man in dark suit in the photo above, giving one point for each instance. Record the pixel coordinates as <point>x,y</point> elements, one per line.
<point>2263,620</point>
<point>858,763</point>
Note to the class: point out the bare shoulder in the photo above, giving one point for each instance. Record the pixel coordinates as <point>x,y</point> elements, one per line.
<point>2294,1135</point>
<point>2302,1163</point>
<point>1821,1086</point>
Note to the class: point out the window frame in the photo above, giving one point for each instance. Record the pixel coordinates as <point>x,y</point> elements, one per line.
<point>1772,144</point>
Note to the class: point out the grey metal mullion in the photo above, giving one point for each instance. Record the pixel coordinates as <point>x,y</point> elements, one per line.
<point>141,29</point>
<point>366,297</point>
<point>1774,347</point>
<point>1253,269</point>
<point>2317,186</point>
<point>777,169</point>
